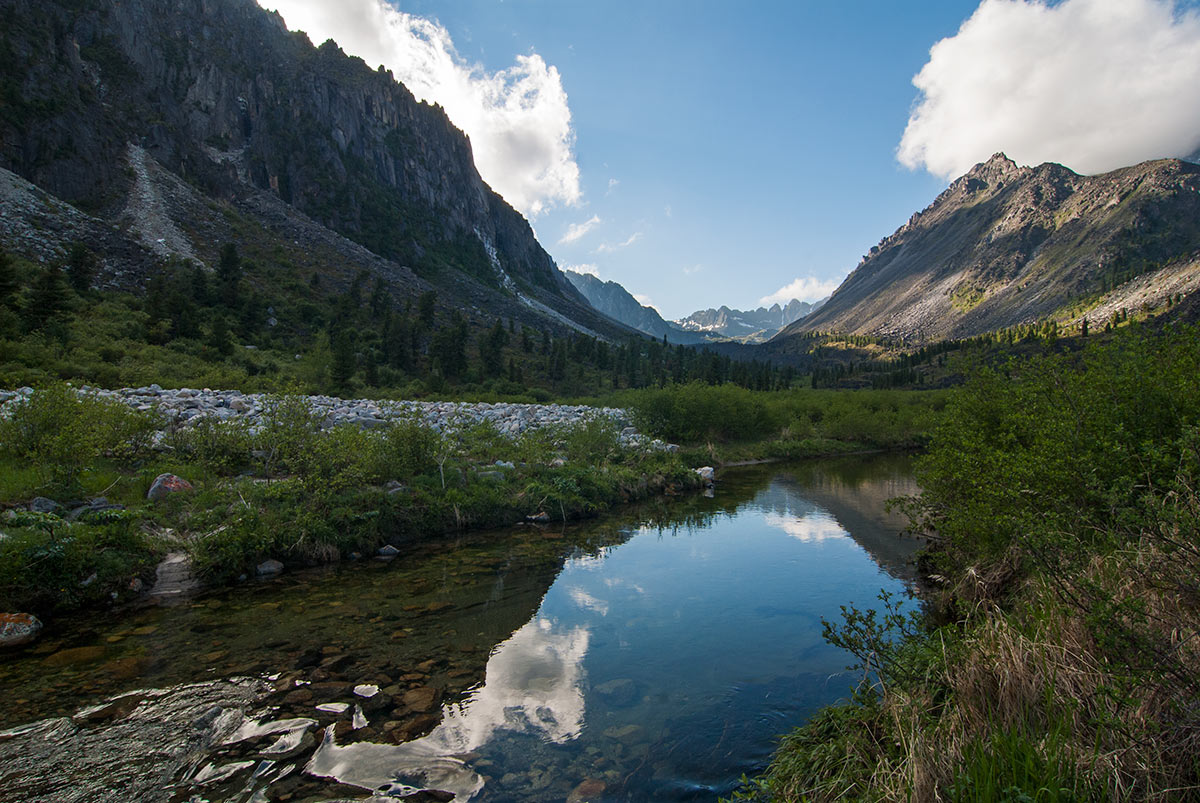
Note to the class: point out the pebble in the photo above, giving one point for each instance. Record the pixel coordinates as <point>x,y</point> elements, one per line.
<point>188,406</point>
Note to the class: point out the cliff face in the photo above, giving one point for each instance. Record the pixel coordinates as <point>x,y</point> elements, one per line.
<point>616,302</point>
<point>220,94</point>
<point>1007,245</point>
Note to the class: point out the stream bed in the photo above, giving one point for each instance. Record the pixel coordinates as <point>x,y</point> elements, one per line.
<point>654,654</point>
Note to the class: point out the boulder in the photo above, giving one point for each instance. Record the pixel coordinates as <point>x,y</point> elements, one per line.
<point>165,485</point>
<point>539,518</point>
<point>18,628</point>
<point>269,568</point>
<point>708,474</point>
<point>387,551</point>
<point>41,504</point>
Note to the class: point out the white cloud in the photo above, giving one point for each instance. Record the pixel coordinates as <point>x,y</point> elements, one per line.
<point>1093,84</point>
<point>689,270</point>
<point>667,210</point>
<point>612,184</point>
<point>606,248</point>
<point>810,528</point>
<point>588,267</point>
<point>577,230</point>
<point>646,302</point>
<point>518,119</point>
<point>807,288</point>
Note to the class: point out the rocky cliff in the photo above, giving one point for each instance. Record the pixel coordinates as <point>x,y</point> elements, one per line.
<point>617,303</point>
<point>1007,245</point>
<point>99,97</point>
<point>751,326</point>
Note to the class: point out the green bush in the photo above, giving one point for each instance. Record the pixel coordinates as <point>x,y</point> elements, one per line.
<point>61,433</point>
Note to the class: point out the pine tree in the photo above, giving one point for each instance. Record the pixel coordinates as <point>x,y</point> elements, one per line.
<point>81,267</point>
<point>343,364</point>
<point>425,308</point>
<point>218,336</point>
<point>9,284</point>
<point>48,297</point>
<point>229,275</point>
<point>379,297</point>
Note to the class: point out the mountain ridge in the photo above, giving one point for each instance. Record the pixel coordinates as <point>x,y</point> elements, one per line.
<point>1005,245</point>
<point>105,99</point>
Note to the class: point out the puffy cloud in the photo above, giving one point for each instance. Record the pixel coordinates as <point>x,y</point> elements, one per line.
<point>606,248</point>
<point>518,119</point>
<point>588,267</point>
<point>646,302</point>
<point>577,230</point>
<point>807,288</point>
<point>1093,84</point>
<point>810,528</point>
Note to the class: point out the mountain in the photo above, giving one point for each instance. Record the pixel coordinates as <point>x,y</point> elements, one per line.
<point>617,303</point>
<point>156,130</point>
<point>1007,245</point>
<point>749,326</point>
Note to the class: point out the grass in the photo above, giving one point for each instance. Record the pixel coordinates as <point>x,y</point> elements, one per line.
<point>725,423</point>
<point>288,490</point>
<point>1059,659</point>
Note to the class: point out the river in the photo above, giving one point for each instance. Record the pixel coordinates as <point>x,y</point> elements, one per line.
<point>653,654</point>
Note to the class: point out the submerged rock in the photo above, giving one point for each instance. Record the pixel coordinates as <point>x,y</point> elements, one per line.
<point>18,628</point>
<point>269,568</point>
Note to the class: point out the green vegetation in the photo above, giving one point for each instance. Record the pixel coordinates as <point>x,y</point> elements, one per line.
<point>290,490</point>
<point>1057,659</point>
<point>250,324</point>
<point>733,423</point>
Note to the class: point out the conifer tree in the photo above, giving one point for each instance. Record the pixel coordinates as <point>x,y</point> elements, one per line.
<point>229,275</point>
<point>81,267</point>
<point>9,283</point>
<point>218,336</point>
<point>342,366</point>
<point>48,297</point>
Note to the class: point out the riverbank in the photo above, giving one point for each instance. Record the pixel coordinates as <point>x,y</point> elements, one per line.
<point>1059,659</point>
<point>102,485</point>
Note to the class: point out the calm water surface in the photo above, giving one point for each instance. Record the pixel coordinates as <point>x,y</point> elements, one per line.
<point>650,656</point>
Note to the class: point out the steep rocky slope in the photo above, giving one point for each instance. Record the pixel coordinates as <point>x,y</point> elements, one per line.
<point>617,303</point>
<point>1007,245</point>
<point>183,122</point>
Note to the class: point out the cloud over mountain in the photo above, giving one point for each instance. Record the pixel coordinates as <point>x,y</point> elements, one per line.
<point>1092,84</point>
<point>806,288</point>
<point>518,118</point>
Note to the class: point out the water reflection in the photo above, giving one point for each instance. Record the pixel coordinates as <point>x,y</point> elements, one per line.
<point>654,657</point>
<point>533,686</point>
<point>662,647</point>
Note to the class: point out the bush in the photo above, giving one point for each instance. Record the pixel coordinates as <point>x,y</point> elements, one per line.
<point>62,432</point>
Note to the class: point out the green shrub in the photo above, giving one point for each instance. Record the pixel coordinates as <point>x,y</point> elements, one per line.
<point>61,433</point>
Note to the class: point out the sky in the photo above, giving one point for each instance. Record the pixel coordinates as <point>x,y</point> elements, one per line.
<point>703,153</point>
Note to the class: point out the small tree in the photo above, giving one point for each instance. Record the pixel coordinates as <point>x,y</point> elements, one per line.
<point>48,297</point>
<point>9,284</point>
<point>81,267</point>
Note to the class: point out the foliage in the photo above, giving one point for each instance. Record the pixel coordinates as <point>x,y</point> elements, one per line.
<point>1057,661</point>
<point>61,433</point>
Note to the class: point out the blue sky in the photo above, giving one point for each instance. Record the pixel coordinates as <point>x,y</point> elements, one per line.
<point>716,152</point>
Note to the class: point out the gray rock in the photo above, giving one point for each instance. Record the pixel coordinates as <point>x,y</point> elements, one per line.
<point>18,628</point>
<point>41,504</point>
<point>165,485</point>
<point>387,551</point>
<point>269,568</point>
